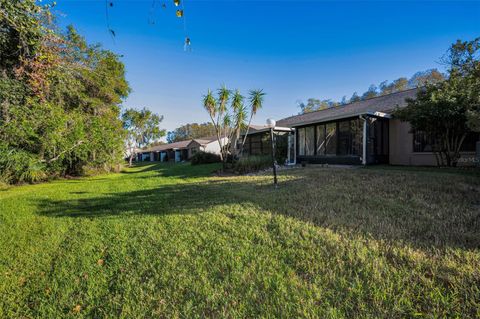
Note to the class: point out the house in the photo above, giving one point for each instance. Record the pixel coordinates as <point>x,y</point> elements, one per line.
<point>208,145</point>
<point>258,142</point>
<point>180,151</point>
<point>363,132</point>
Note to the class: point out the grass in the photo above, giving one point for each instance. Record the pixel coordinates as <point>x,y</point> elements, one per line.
<point>173,241</point>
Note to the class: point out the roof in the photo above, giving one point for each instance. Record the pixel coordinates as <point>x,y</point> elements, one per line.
<point>384,103</point>
<point>179,145</point>
<point>264,128</point>
<point>164,147</point>
<point>254,128</point>
<point>205,140</point>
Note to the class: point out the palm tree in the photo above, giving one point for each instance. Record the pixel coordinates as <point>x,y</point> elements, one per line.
<point>234,121</point>
<point>210,104</point>
<point>256,103</point>
<point>223,98</point>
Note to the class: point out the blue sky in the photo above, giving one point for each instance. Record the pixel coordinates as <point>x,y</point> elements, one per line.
<point>292,49</point>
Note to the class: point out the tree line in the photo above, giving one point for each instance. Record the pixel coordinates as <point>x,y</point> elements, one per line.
<point>449,110</point>
<point>419,79</point>
<point>191,131</point>
<point>60,98</point>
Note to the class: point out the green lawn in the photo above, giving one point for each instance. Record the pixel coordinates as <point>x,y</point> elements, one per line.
<point>173,241</point>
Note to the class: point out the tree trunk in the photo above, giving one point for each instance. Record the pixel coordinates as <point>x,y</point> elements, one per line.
<point>246,134</point>
<point>217,130</point>
<point>130,160</point>
<point>436,158</point>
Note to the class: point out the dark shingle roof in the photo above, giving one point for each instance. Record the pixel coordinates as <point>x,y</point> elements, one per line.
<point>179,145</point>
<point>385,103</point>
<point>164,147</point>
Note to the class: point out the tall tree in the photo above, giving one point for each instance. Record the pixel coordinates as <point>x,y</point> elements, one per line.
<point>256,103</point>
<point>313,105</point>
<point>398,85</point>
<point>354,98</point>
<point>463,57</point>
<point>446,111</point>
<point>423,78</point>
<point>191,131</point>
<point>142,127</point>
<point>59,96</point>
<point>227,118</point>
<point>371,92</point>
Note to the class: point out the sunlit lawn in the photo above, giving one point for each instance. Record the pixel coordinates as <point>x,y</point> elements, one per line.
<point>173,241</point>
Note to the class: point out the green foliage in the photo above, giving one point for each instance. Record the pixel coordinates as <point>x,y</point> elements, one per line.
<point>464,60</point>
<point>191,131</point>
<point>17,166</point>
<point>447,110</point>
<point>432,76</point>
<point>205,158</point>
<point>370,93</point>
<point>21,31</point>
<point>438,112</point>
<point>419,79</point>
<point>59,96</point>
<point>229,119</point>
<point>142,128</point>
<point>316,105</point>
<point>400,84</point>
<point>253,163</point>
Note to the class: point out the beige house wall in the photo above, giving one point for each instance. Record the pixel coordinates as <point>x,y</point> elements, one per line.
<point>401,148</point>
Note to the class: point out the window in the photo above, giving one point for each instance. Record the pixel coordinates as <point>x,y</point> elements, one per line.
<point>266,143</point>
<point>470,141</point>
<point>357,136</point>
<point>331,139</point>
<point>423,142</point>
<point>301,141</point>
<point>321,140</point>
<point>344,138</point>
<point>310,140</point>
<point>306,141</point>
<point>379,129</point>
<point>255,145</point>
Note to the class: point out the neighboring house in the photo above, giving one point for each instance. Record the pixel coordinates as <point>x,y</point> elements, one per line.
<point>179,151</point>
<point>206,144</point>
<point>363,132</point>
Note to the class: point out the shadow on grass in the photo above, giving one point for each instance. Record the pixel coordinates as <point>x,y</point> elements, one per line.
<point>393,209</point>
<point>170,169</point>
<point>143,167</point>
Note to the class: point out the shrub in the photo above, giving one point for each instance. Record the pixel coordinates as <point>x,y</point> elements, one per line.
<point>249,164</point>
<point>17,166</point>
<point>204,158</point>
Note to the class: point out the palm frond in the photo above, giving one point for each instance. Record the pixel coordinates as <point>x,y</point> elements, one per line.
<point>223,98</point>
<point>237,101</point>
<point>256,100</point>
<point>210,103</point>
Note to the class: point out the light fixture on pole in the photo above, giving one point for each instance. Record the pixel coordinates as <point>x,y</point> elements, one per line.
<point>271,124</point>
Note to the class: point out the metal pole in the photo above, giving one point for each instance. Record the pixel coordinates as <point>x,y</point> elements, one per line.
<point>365,141</point>
<point>273,158</point>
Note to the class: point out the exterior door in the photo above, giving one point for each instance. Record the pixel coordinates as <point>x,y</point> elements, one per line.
<point>291,149</point>
<point>378,141</point>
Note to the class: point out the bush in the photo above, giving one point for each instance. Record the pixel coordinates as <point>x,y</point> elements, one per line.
<point>204,158</point>
<point>17,166</point>
<point>249,164</point>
